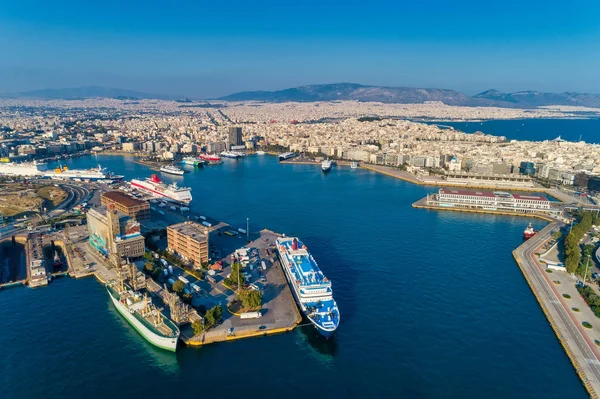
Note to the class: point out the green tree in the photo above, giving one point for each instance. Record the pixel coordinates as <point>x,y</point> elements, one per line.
<point>250,298</point>
<point>232,280</point>
<point>149,267</point>
<point>198,327</point>
<point>178,286</point>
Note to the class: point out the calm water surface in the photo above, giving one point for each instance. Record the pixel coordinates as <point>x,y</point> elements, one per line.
<point>432,304</point>
<point>535,129</point>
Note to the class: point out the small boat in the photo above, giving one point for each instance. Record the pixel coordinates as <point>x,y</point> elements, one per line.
<point>529,232</point>
<point>260,153</point>
<point>326,165</point>
<point>354,165</point>
<point>57,261</point>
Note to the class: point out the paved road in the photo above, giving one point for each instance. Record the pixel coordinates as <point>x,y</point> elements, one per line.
<point>569,329</point>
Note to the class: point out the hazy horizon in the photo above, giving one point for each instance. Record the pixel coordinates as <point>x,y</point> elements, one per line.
<point>212,50</point>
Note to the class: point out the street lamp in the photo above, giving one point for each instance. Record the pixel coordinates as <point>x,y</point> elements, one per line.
<point>586,269</point>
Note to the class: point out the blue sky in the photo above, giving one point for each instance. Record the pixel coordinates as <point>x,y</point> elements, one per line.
<point>203,49</point>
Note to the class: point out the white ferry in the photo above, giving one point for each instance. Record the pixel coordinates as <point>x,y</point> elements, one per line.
<point>23,169</point>
<point>158,189</point>
<point>173,170</point>
<point>311,289</point>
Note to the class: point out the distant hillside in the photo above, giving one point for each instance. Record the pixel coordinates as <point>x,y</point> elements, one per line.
<point>357,92</point>
<point>89,92</point>
<point>537,99</point>
<point>407,95</point>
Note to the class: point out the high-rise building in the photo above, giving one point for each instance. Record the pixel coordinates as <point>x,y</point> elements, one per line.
<point>235,137</point>
<point>189,240</point>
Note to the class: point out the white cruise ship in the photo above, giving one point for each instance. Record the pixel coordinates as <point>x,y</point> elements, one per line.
<point>23,169</point>
<point>99,173</point>
<point>157,188</point>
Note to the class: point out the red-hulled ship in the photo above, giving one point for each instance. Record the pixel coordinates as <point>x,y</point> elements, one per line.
<point>210,157</point>
<point>529,232</point>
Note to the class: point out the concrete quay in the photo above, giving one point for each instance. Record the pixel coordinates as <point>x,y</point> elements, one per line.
<point>576,341</point>
<point>280,313</point>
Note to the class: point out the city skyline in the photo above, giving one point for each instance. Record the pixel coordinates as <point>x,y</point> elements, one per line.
<point>209,51</point>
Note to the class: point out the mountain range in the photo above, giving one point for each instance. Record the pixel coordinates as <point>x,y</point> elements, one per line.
<point>88,92</point>
<point>346,91</point>
<point>407,95</point>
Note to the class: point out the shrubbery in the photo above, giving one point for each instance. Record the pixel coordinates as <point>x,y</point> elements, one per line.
<point>590,298</point>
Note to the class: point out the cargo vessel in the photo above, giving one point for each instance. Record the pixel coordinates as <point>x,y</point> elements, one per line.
<point>287,155</point>
<point>173,170</point>
<point>529,232</point>
<point>158,189</point>
<point>141,314</point>
<point>311,289</point>
<point>326,165</point>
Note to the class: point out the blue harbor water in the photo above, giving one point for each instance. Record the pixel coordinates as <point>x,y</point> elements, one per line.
<point>534,129</point>
<point>432,304</point>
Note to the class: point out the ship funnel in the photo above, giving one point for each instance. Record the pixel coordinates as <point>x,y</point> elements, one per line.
<point>154,178</point>
<point>295,244</point>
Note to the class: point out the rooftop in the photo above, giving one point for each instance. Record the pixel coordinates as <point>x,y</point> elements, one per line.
<point>191,229</point>
<point>122,198</point>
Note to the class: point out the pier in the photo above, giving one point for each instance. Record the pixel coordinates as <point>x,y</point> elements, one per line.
<point>577,343</point>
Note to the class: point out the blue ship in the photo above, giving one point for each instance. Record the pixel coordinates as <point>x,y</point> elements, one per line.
<point>311,289</point>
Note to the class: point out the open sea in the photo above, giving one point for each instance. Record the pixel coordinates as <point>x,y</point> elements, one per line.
<point>587,129</point>
<point>432,304</point>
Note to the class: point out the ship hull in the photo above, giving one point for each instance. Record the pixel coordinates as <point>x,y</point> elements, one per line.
<point>169,344</point>
<point>294,289</point>
<point>173,172</point>
<point>158,194</point>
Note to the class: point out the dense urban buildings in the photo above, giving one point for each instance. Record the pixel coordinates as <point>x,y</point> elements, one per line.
<point>127,205</point>
<point>189,240</point>
<point>372,132</point>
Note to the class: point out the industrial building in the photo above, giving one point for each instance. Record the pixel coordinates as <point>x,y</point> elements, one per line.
<point>189,240</point>
<point>112,231</point>
<point>127,205</point>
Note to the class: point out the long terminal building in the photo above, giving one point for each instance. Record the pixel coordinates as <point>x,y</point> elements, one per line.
<point>490,200</point>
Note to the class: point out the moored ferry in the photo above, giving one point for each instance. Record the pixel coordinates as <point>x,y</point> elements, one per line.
<point>173,170</point>
<point>287,155</point>
<point>192,161</point>
<point>23,169</point>
<point>157,188</point>
<point>99,173</point>
<point>210,158</point>
<point>311,289</point>
<point>326,165</point>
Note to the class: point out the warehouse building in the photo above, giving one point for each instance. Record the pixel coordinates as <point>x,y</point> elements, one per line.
<point>111,231</point>
<point>127,205</point>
